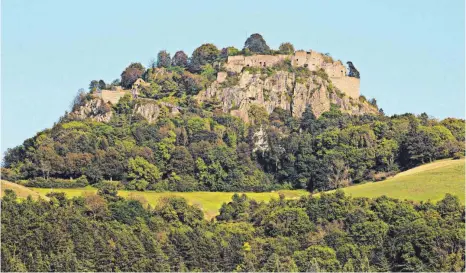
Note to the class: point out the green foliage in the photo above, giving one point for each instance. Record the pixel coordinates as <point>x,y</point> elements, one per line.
<point>142,173</point>
<point>229,51</point>
<point>258,114</point>
<point>205,54</point>
<point>331,233</point>
<point>208,72</point>
<point>286,48</point>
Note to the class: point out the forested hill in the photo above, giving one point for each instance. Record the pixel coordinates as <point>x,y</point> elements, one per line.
<point>167,129</point>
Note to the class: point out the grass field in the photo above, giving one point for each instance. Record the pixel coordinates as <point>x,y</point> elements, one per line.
<point>427,182</point>
<point>209,202</point>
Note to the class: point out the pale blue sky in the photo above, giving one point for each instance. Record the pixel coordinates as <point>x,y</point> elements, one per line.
<point>410,53</point>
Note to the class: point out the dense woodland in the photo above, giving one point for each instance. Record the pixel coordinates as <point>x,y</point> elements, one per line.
<point>332,233</point>
<point>206,149</point>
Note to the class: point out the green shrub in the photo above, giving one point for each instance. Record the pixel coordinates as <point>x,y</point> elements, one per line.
<point>458,155</point>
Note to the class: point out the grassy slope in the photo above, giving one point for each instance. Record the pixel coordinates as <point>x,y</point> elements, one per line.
<point>427,182</point>
<point>21,191</point>
<point>430,181</point>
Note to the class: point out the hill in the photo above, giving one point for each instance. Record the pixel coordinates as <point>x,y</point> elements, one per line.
<point>426,182</point>
<point>230,120</point>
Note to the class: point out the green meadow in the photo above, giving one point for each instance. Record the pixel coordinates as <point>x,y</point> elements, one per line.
<point>427,182</point>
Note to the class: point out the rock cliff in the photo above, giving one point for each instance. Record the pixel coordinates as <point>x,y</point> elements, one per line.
<point>98,110</point>
<point>95,109</point>
<point>149,111</point>
<point>281,89</point>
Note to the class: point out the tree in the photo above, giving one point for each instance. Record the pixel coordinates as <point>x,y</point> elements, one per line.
<point>78,100</point>
<point>180,59</point>
<point>309,121</point>
<point>287,222</point>
<point>258,114</point>
<point>102,84</point>
<point>256,44</point>
<point>141,169</point>
<point>286,48</point>
<point>93,85</point>
<point>316,258</point>
<point>205,54</point>
<point>163,59</point>
<point>181,161</point>
<point>96,205</point>
<point>109,191</point>
<point>131,74</point>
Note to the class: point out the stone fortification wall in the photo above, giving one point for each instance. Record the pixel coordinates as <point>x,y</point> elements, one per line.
<point>311,59</point>
<point>348,85</point>
<point>112,96</point>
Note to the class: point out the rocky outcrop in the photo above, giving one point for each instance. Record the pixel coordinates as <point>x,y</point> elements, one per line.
<point>95,109</point>
<point>281,89</point>
<point>149,111</point>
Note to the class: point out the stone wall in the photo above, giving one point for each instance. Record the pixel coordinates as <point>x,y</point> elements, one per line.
<point>112,96</point>
<point>236,63</point>
<point>347,85</point>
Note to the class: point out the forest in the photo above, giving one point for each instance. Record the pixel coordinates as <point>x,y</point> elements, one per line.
<point>334,232</point>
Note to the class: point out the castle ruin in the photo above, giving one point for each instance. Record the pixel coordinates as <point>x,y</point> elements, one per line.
<point>337,72</point>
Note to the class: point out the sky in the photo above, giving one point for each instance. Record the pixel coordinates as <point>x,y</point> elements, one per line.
<point>410,53</point>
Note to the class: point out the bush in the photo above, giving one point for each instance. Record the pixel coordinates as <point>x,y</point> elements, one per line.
<point>458,155</point>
